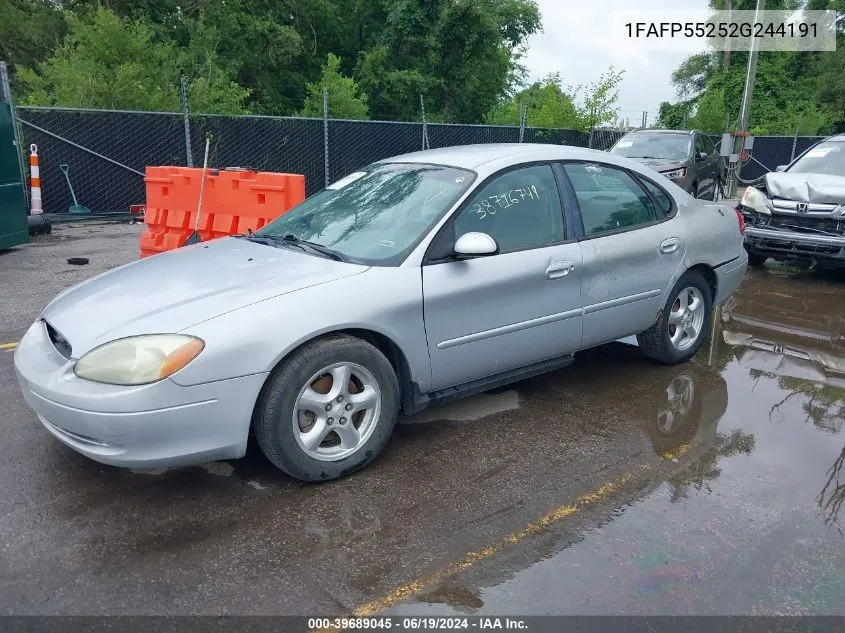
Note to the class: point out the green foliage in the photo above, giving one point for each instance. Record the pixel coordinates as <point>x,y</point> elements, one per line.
<point>29,30</point>
<point>710,112</point>
<point>793,91</point>
<point>109,62</point>
<point>346,101</point>
<point>462,54</point>
<point>549,104</point>
<point>601,99</point>
<point>261,55</point>
<point>674,116</point>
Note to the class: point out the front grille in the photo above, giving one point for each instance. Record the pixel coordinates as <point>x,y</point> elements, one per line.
<point>59,342</point>
<point>830,225</point>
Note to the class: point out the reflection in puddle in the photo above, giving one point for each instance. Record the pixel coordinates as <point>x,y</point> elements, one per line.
<point>833,494</point>
<point>752,500</point>
<point>467,409</point>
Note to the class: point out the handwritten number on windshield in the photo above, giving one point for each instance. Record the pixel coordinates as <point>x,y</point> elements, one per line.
<point>490,204</point>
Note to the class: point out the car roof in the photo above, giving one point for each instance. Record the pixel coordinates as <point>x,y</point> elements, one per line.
<point>473,156</point>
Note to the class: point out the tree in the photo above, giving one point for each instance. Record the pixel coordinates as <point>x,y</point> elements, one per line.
<point>601,99</point>
<point>462,55</point>
<point>547,103</point>
<point>29,30</point>
<point>674,116</point>
<point>346,101</point>
<point>108,62</point>
<point>799,91</point>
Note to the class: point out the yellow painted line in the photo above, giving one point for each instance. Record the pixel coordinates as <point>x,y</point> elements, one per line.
<point>8,346</point>
<point>414,587</point>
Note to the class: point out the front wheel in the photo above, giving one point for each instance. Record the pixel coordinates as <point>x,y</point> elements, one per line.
<point>682,325</point>
<point>329,410</point>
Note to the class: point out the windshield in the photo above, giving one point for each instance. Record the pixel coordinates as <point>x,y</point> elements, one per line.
<point>825,158</point>
<point>377,215</point>
<point>674,147</point>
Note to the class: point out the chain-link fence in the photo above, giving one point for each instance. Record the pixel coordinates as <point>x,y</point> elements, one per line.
<point>106,151</point>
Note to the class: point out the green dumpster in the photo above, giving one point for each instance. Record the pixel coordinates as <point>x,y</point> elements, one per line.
<point>13,222</point>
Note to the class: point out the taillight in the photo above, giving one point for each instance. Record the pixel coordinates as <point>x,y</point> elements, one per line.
<point>741,221</point>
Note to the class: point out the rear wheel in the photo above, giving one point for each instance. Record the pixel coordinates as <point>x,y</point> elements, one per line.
<point>682,325</point>
<point>329,410</point>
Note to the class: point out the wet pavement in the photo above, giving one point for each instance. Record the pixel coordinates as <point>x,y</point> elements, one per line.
<point>614,486</point>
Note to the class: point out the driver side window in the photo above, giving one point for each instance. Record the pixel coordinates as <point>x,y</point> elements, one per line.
<point>520,209</point>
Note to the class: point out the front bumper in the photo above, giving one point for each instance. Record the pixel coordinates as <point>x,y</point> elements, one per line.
<point>782,244</point>
<point>728,277</point>
<point>155,425</point>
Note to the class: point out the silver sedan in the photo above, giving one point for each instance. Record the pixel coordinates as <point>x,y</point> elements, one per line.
<point>416,280</point>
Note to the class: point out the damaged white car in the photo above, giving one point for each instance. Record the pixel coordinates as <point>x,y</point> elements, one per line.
<point>798,212</point>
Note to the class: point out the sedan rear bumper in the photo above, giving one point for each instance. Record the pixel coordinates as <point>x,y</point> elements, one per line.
<point>147,426</point>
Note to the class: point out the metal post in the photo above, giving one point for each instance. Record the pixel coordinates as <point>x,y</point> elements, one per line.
<point>795,140</point>
<point>522,113</point>
<point>424,132</point>
<point>726,59</point>
<point>184,88</point>
<point>6,95</point>
<point>326,134</point>
<point>745,110</point>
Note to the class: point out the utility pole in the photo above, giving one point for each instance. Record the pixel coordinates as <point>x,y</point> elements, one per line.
<point>745,109</point>
<point>726,60</point>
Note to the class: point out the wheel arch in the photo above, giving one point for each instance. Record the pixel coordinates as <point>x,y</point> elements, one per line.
<point>709,275</point>
<point>386,345</point>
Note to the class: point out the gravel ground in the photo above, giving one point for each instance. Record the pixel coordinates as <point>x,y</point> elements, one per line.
<point>44,262</point>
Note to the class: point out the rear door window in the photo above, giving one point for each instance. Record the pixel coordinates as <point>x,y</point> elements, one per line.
<point>610,199</point>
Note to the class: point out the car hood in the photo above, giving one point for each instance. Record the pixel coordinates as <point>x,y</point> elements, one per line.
<point>660,164</point>
<point>806,187</point>
<point>174,290</point>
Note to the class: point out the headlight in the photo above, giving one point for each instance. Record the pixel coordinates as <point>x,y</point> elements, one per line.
<point>138,360</point>
<point>755,200</point>
<point>675,173</point>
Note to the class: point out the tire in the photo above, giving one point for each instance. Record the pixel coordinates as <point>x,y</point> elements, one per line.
<point>307,382</point>
<point>716,196</point>
<point>657,341</point>
<point>756,260</point>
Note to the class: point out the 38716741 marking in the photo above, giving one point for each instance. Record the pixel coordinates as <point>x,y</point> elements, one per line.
<point>490,204</point>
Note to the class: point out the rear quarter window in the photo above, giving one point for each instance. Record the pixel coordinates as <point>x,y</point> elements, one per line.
<point>664,202</point>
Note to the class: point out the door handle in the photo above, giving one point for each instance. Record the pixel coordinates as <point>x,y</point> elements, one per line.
<point>669,245</point>
<point>556,270</point>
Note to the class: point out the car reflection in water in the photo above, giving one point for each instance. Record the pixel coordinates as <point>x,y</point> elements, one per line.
<point>794,333</point>
<point>676,410</point>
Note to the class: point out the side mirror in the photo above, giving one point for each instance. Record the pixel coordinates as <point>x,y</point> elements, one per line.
<point>475,245</point>
<point>781,167</point>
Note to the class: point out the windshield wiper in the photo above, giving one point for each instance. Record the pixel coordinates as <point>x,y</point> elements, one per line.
<point>314,247</point>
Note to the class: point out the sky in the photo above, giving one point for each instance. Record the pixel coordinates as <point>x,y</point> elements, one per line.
<point>575,42</point>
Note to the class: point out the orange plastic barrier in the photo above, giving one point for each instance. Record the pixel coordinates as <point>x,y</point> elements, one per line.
<point>233,201</point>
